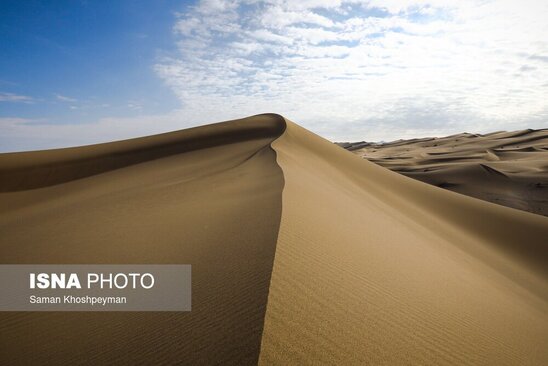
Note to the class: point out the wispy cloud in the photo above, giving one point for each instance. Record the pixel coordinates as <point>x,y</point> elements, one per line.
<point>64,98</point>
<point>15,98</point>
<point>134,105</point>
<point>365,69</point>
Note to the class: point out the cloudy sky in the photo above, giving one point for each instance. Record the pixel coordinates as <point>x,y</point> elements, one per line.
<point>78,72</point>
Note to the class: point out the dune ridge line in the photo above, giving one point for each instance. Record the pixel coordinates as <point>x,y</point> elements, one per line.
<point>35,169</point>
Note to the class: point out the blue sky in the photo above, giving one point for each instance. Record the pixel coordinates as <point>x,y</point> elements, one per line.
<point>83,72</point>
<point>76,61</point>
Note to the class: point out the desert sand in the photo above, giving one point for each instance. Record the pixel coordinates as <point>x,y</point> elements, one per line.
<point>508,168</point>
<point>301,252</point>
<point>209,197</point>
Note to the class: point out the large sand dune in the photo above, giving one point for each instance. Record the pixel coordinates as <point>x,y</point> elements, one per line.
<point>215,206</point>
<point>302,253</point>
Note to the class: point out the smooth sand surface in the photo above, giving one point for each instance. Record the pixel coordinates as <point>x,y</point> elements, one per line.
<point>302,253</point>
<point>508,168</point>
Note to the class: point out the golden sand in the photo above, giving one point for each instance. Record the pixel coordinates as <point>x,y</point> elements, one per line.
<point>302,253</point>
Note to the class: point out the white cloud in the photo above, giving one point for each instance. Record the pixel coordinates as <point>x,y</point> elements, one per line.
<point>64,98</point>
<point>268,36</point>
<point>366,69</point>
<point>276,17</point>
<point>134,105</point>
<point>15,98</point>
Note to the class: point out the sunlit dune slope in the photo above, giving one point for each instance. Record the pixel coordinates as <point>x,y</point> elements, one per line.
<point>372,267</point>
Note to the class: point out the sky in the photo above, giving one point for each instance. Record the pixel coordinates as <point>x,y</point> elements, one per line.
<point>82,72</point>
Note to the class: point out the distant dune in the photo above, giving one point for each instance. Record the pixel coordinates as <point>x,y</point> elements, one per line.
<point>302,254</point>
<point>508,168</point>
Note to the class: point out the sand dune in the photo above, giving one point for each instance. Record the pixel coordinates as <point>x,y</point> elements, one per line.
<point>508,168</point>
<point>302,253</point>
<point>216,206</point>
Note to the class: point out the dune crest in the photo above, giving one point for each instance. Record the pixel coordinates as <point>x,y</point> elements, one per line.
<point>36,169</point>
